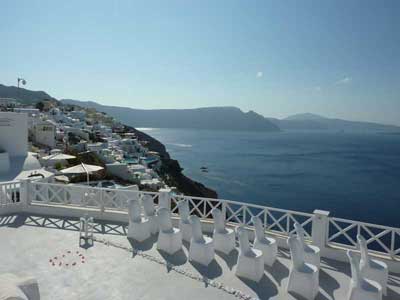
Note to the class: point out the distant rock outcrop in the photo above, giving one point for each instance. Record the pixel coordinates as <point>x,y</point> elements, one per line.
<point>223,118</point>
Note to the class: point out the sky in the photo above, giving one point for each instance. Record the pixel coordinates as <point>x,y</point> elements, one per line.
<point>338,58</point>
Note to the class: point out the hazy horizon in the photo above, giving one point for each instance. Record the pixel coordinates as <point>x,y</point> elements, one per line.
<point>338,59</point>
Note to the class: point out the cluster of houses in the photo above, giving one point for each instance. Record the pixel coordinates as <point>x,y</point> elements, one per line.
<point>55,129</point>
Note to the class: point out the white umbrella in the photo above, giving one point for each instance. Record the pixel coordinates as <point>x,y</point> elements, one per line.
<point>58,156</point>
<point>82,169</point>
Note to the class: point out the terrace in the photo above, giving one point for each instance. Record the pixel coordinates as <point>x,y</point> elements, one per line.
<point>40,222</point>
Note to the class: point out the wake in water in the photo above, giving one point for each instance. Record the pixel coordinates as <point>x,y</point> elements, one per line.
<point>180,145</point>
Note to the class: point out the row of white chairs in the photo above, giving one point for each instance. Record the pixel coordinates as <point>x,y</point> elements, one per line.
<point>251,260</point>
<point>369,276</point>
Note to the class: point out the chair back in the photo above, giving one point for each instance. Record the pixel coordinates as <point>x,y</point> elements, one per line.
<point>134,211</point>
<point>300,233</point>
<point>164,220</point>
<point>296,251</point>
<point>219,220</point>
<point>260,233</point>
<point>148,205</point>
<point>362,243</point>
<point>184,212</point>
<point>197,233</point>
<point>244,244</point>
<point>355,267</point>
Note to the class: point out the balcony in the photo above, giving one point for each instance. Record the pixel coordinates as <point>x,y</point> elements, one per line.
<point>41,222</point>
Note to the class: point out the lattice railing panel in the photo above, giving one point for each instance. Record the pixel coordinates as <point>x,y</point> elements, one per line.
<point>380,239</point>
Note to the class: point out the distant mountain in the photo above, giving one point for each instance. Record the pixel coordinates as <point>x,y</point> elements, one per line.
<point>306,116</point>
<point>308,121</point>
<point>23,95</point>
<point>230,118</point>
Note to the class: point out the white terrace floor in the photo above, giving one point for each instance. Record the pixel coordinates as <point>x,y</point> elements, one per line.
<point>29,245</point>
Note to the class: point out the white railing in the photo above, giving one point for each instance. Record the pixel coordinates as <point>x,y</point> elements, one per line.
<point>84,196</point>
<point>10,193</point>
<point>324,231</point>
<point>380,239</point>
<point>277,220</point>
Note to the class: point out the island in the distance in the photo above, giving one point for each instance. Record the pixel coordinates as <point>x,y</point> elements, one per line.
<point>228,118</point>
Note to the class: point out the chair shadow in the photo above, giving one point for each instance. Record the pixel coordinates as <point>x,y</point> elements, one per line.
<point>186,244</point>
<point>230,259</point>
<point>391,294</point>
<point>212,271</point>
<point>144,245</point>
<point>328,283</point>
<point>278,271</point>
<point>265,288</point>
<point>86,245</point>
<point>177,259</point>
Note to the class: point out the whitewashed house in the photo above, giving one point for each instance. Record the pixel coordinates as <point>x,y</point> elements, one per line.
<point>44,133</point>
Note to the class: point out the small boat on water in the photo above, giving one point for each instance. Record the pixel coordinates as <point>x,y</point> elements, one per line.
<point>204,169</point>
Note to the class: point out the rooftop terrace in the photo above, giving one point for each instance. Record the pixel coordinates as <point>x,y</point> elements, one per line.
<point>39,233</point>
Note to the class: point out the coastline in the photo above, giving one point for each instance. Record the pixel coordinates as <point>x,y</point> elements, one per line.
<point>171,171</point>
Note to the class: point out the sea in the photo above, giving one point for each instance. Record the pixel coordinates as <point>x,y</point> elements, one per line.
<point>354,175</point>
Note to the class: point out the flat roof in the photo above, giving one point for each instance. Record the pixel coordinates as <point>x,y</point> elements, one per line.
<point>47,247</point>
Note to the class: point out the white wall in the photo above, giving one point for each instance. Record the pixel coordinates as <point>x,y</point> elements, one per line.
<point>45,134</point>
<point>14,133</point>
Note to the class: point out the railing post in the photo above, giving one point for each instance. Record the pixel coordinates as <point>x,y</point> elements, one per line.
<point>24,193</point>
<point>164,198</point>
<point>102,204</point>
<point>320,225</point>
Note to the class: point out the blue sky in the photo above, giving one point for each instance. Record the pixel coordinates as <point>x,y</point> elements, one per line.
<point>336,58</point>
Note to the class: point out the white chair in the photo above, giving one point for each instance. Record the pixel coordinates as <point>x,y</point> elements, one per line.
<point>18,288</point>
<point>224,238</point>
<point>184,223</point>
<point>201,248</point>
<point>267,245</point>
<point>373,269</point>
<point>150,213</point>
<point>169,238</point>
<point>303,277</point>
<point>361,288</point>
<point>139,227</point>
<point>86,229</point>
<point>312,254</point>
<point>250,264</point>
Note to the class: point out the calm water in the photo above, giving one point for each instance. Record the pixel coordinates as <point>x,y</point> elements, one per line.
<point>353,175</point>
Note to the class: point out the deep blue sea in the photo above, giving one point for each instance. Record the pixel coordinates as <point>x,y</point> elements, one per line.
<point>353,175</point>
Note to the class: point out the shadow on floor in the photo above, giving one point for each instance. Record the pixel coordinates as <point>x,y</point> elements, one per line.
<point>63,223</point>
<point>177,259</point>
<point>145,245</point>
<point>230,259</point>
<point>265,289</point>
<point>278,271</point>
<point>391,294</point>
<point>328,283</point>
<point>14,221</point>
<point>212,271</point>
<point>87,243</point>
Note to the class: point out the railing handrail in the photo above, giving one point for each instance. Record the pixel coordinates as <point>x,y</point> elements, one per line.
<point>384,227</point>
<point>317,225</point>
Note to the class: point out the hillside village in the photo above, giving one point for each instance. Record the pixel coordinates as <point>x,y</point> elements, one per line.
<point>61,136</point>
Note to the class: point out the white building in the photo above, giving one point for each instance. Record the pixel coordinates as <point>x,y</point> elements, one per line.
<point>15,160</point>
<point>44,133</point>
<point>8,102</point>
